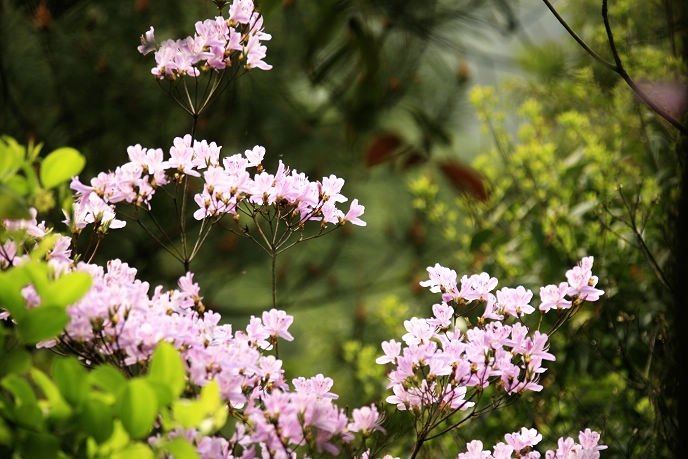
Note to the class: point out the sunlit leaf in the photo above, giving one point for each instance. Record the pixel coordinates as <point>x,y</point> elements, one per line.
<point>108,378</point>
<point>138,407</point>
<point>96,418</point>
<point>167,369</point>
<point>67,289</point>
<point>72,380</point>
<point>180,448</point>
<point>57,408</point>
<point>42,323</point>
<point>61,165</point>
<point>12,204</point>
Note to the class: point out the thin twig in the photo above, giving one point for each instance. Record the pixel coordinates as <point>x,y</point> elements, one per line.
<point>617,67</point>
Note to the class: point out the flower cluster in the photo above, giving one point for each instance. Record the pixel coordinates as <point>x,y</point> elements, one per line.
<point>280,423</point>
<point>439,363</point>
<point>216,42</point>
<point>226,186</point>
<point>520,444</point>
<point>227,183</point>
<point>120,322</point>
<point>514,302</point>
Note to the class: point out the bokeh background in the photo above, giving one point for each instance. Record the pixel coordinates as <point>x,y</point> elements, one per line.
<point>477,134</point>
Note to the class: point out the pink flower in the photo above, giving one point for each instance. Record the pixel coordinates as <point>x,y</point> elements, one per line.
<point>477,287</point>
<point>366,419</point>
<point>147,42</point>
<point>318,386</point>
<point>182,156</point>
<point>582,282</point>
<point>552,297</point>
<point>255,156</point>
<point>474,450</point>
<point>32,227</point>
<point>95,210</point>
<point>391,349</point>
<point>418,331</point>
<point>502,451</point>
<point>240,11</point>
<point>515,301</point>
<point>277,322</point>
<point>330,188</point>
<point>442,280</point>
<point>523,439</point>
<point>354,212</point>
<point>443,315</point>
<point>206,154</point>
<point>589,440</point>
<point>263,190</point>
<point>255,53</point>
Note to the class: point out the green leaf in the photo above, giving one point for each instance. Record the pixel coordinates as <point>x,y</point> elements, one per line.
<point>57,407</point>
<point>96,418</point>
<point>61,165</point>
<point>210,397</point>
<point>46,244</point>
<point>12,204</point>
<point>18,362</point>
<point>138,408</point>
<point>117,441</point>
<point>138,450</point>
<point>208,413</point>
<point>33,150</point>
<point>11,283</point>
<point>25,409</point>
<point>163,392</point>
<point>67,289</point>
<point>11,157</point>
<point>72,379</point>
<point>39,445</point>
<point>167,369</point>
<point>18,184</point>
<point>180,448</point>
<point>42,323</point>
<point>37,273</point>
<point>5,433</point>
<point>187,413</point>
<point>108,378</point>
<point>480,238</point>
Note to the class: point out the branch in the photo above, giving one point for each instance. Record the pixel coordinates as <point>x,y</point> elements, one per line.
<point>578,39</point>
<point>617,67</point>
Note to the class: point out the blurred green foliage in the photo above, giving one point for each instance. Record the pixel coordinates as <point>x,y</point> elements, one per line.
<point>579,166</point>
<point>374,91</point>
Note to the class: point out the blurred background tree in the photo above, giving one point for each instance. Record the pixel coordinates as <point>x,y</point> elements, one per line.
<point>568,163</point>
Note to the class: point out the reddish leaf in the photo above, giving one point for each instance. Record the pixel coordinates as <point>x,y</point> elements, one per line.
<point>142,5</point>
<point>382,148</point>
<point>42,16</point>
<point>463,73</point>
<point>417,232</point>
<point>228,243</point>
<point>465,179</point>
<point>413,159</point>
